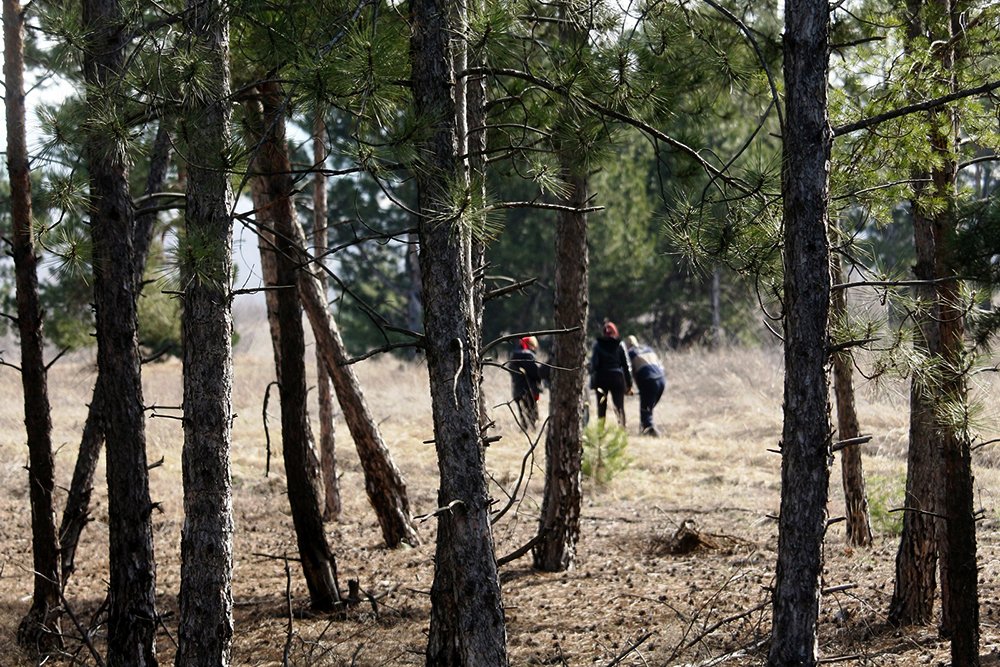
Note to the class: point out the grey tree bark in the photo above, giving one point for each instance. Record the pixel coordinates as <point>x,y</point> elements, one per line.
<point>39,629</point>
<point>132,608</point>
<point>76,513</point>
<point>205,629</point>
<point>467,619</point>
<point>805,446</point>
<point>327,432</point>
<point>859,528</point>
<point>559,523</point>
<point>272,191</point>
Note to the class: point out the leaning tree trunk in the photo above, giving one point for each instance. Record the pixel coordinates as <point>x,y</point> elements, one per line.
<point>40,626</point>
<point>76,514</point>
<point>467,619</point>
<point>559,523</point>
<point>132,608</point>
<point>805,446</point>
<point>859,527</point>
<point>383,481</point>
<point>327,434</point>
<point>272,190</point>
<point>205,629</point>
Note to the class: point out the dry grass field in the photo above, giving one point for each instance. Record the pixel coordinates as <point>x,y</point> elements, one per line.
<point>712,465</point>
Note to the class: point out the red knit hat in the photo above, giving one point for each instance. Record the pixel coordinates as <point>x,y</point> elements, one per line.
<point>610,330</point>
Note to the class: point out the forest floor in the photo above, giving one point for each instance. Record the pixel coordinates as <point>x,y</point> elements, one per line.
<point>712,465</point>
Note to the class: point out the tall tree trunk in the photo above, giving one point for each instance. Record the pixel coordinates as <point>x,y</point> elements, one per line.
<point>205,630</point>
<point>960,579</point>
<point>467,619</point>
<point>76,514</point>
<point>40,626</point>
<point>859,527</point>
<point>559,523</point>
<point>805,446</point>
<point>384,484</point>
<point>414,298</point>
<point>475,146</point>
<point>272,191</point>
<point>915,584</point>
<point>327,434</point>
<point>132,608</point>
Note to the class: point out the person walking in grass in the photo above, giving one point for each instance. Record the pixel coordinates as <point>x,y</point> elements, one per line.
<point>610,372</point>
<point>526,381</point>
<point>650,380</point>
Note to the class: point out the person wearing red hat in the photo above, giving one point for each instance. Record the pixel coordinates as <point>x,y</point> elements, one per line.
<point>610,372</point>
<point>525,381</point>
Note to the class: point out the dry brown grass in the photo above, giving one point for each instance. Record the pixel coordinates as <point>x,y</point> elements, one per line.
<point>720,416</point>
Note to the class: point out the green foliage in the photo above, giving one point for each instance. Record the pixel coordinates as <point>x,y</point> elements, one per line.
<point>160,322</point>
<point>885,494</point>
<point>604,452</point>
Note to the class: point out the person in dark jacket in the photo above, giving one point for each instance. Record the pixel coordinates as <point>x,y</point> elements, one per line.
<point>525,377</point>
<point>650,380</point>
<point>610,373</point>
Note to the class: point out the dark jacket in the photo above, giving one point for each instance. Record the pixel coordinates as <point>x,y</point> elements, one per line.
<point>609,356</point>
<point>524,377</point>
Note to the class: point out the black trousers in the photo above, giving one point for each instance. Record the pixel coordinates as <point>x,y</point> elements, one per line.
<point>613,383</point>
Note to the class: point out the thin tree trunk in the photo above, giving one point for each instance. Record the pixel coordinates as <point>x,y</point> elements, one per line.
<point>40,626</point>
<point>805,446</point>
<point>915,583</point>
<point>76,514</point>
<point>960,576</point>
<point>475,147</point>
<point>327,433</point>
<point>414,297</point>
<point>859,527</point>
<point>559,523</point>
<point>916,560</point>
<point>272,190</point>
<point>467,619</point>
<point>132,608</point>
<point>205,630</point>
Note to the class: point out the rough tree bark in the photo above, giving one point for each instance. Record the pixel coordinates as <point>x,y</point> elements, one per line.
<point>559,523</point>
<point>205,630</point>
<point>39,629</point>
<point>384,483</point>
<point>805,446</point>
<point>915,584</point>
<point>132,608</point>
<point>467,619</point>
<point>859,527</point>
<point>960,574</point>
<point>76,514</point>
<point>272,191</point>
<point>327,433</point>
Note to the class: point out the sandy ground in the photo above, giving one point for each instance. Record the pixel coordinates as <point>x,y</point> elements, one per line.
<point>711,466</point>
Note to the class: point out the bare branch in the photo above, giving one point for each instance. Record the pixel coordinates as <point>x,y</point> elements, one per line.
<point>926,105</point>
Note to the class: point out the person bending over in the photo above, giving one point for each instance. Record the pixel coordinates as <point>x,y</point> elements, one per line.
<point>650,380</point>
